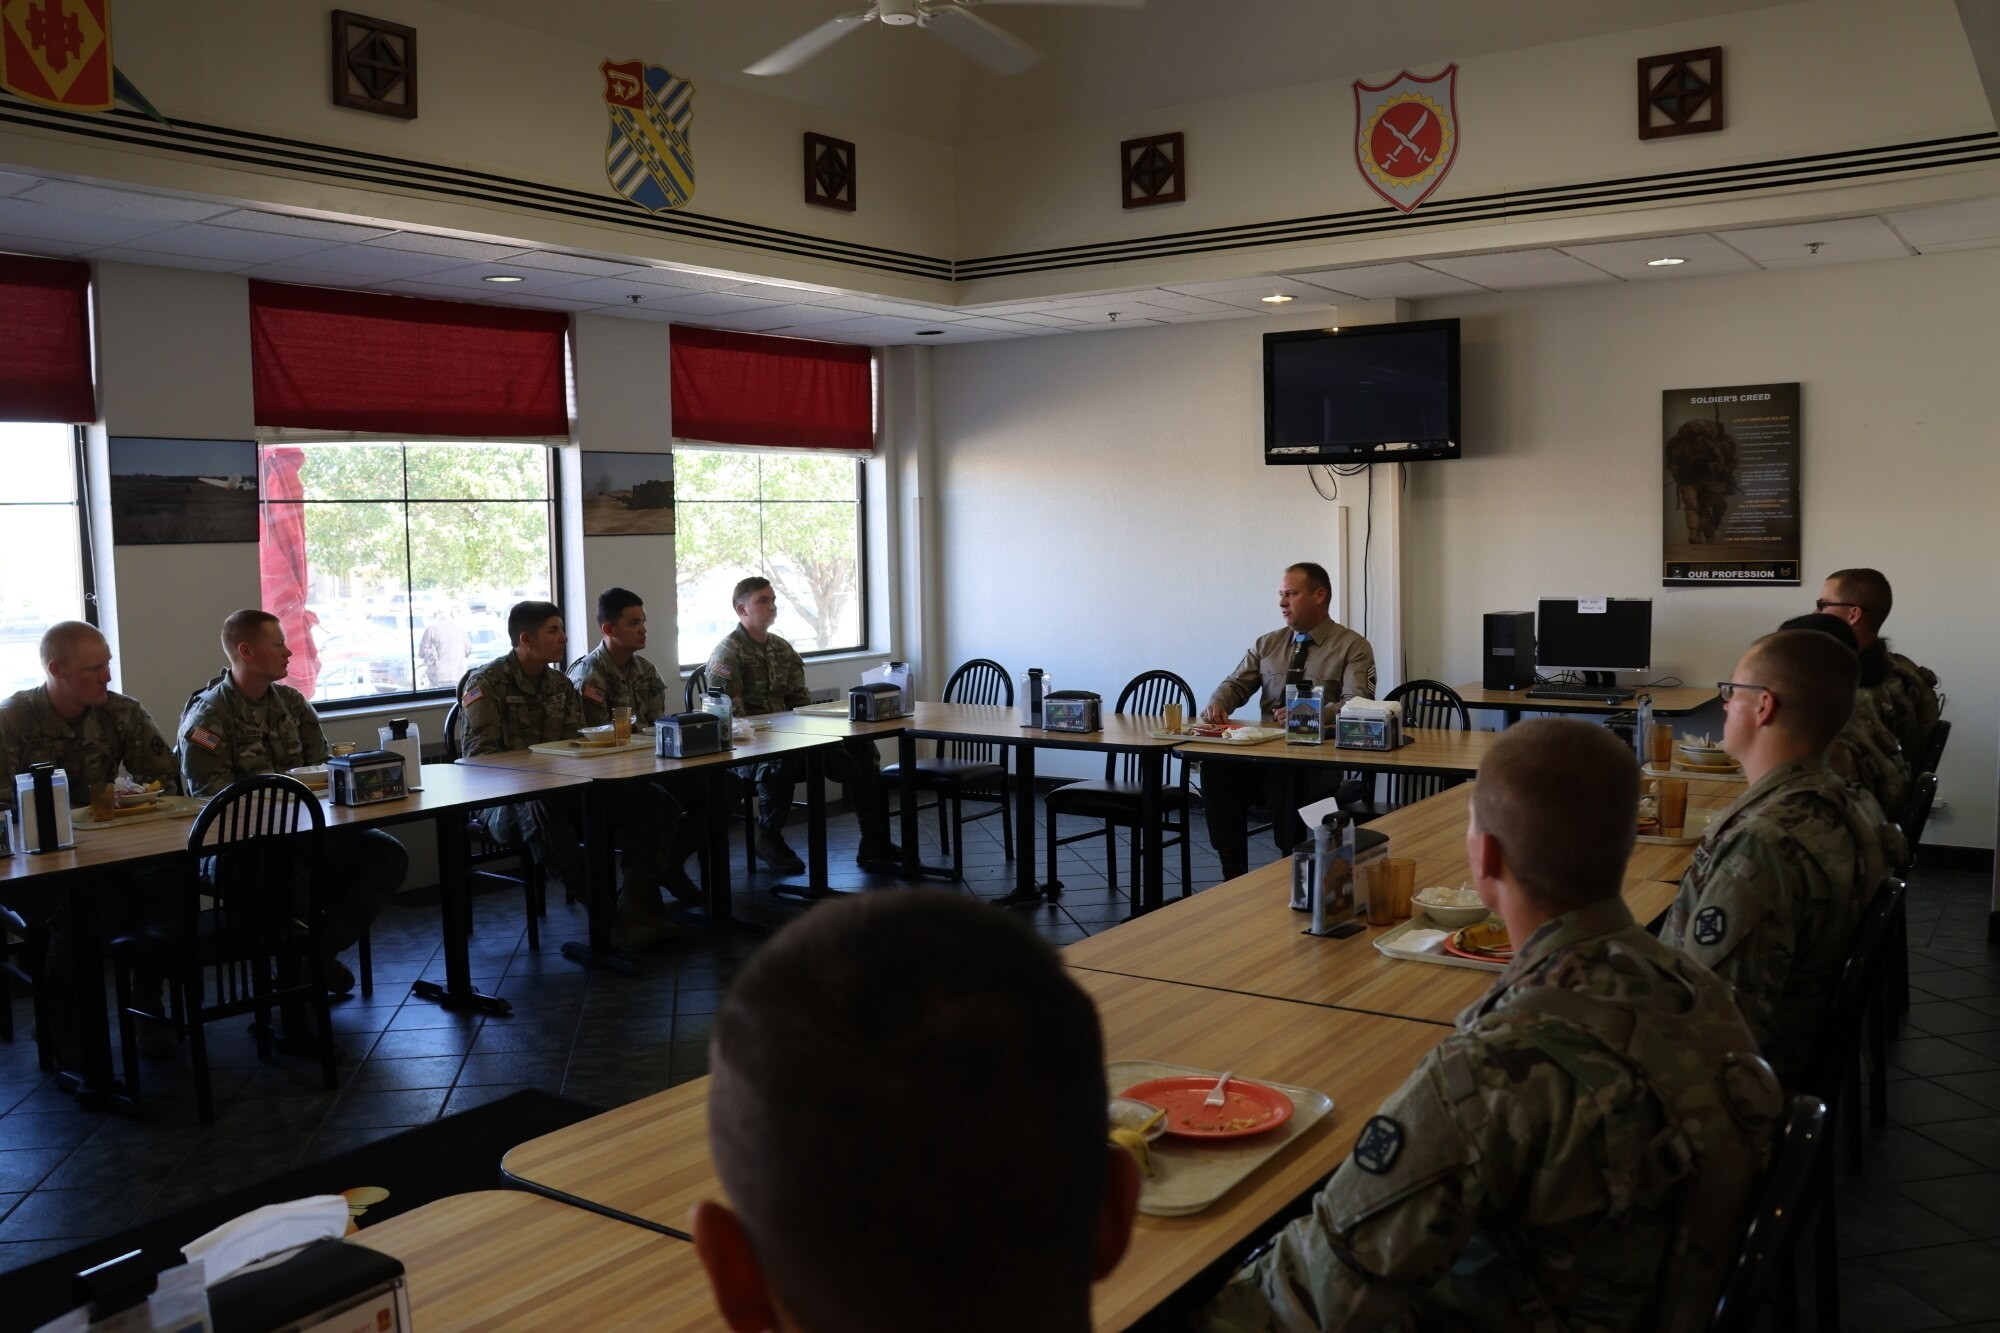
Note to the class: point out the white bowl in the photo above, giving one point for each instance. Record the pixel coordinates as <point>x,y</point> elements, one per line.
<point>1451,918</point>
<point>1125,1113</point>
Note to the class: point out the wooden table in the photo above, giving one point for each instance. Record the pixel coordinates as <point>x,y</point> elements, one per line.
<point>1435,750</point>
<point>1000,725</point>
<point>509,1259</point>
<point>643,765</point>
<point>838,727</point>
<point>1668,701</point>
<point>649,1161</point>
<point>1243,935</point>
<point>447,794</point>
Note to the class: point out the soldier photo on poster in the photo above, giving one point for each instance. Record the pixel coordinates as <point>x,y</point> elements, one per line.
<point>1730,486</point>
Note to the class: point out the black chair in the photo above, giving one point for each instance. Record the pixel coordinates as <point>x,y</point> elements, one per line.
<point>22,948</point>
<point>1115,799</point>
<point>962,770</point>
<point>1933,754</point>
<point>692,693</point>
<point>483,851</point>
<point>1764,1266</point>
<point>1915,815</point>
<point>250,851</point>
<point>1427,704</point>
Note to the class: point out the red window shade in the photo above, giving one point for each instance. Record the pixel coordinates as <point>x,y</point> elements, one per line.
<point>750,388</point>
<point>396,365</point>
<point>45,310</point>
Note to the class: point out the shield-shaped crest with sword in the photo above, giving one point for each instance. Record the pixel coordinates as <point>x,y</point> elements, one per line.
<point>1406,134</point>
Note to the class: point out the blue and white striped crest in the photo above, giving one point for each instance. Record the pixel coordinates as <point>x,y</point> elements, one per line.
<point>648,156</point>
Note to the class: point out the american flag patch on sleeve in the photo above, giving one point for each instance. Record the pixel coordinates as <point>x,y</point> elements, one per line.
<point>592,693</point>
<point>203,737</point>
<point>472,695</point>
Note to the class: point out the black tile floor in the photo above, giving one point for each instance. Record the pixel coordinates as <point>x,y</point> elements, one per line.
<point>1919,1221</point>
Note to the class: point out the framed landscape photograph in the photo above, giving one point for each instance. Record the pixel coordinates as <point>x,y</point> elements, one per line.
<point>627,495</point>
<point>182,492</point>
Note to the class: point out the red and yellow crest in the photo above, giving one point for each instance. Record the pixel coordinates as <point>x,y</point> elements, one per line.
<point>57,52</point>
<point>1406,135</point>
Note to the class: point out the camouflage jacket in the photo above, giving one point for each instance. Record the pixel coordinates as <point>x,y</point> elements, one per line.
<point>1866,752</point>
<point>118,732</point>
<point>766,677</point>
<point>1907,700</point>
<point>1340,661</point>
<point>1587,1141</point>
<point>506,708</point>
<point>225,736</point>
<point>1771,901</point>
<point>606,687</point>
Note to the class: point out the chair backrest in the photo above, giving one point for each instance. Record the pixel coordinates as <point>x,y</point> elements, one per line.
<point>1927,762</point>
<point>1779,1216</point>
<point>1837,1040</point>
<point>251,850</point>
<point>1147,695</point>
<point>980,681</point>
<point>453,752</point>
<point>696,687</point>
<point>1916,814</point>
<point>1430,703</point>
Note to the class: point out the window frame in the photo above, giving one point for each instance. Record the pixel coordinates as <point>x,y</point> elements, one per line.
<point>88,609</point>
<point>864,589</point>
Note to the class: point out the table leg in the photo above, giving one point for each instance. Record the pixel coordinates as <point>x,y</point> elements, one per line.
<point>1027,889</point>
<point>455,905</point>
<point>602,894</point>
<point>715,874</point>
<point>1152,764</point>
<point>95,1086</point>
<point>906,792</point>
<point>815,886</point>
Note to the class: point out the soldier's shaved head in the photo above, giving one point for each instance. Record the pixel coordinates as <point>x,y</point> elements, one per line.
<point>1562,799</point>
<point>1868,590</point>
<point>242,627</point>
<point>61,640</point>
<point>1814,677</point>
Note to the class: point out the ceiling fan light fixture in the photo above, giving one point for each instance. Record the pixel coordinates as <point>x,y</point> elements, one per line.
<point>1276,298</point>
<point>1666,261</point>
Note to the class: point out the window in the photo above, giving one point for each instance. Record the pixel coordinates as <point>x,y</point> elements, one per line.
<point>41,558</point>
<point>397,562</point>
<point>794,519</point>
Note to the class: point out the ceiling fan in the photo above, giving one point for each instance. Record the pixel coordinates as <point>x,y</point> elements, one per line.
<point>953,20</point>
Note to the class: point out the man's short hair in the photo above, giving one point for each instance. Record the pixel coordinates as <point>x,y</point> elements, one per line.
<point>907,1111</point>
<point>1867,589</point>
<point>242,627</point>
<point>748,588</point>
<point>615,602</point>
<point>527,617</point>
<point>1562,797</point>
<point>1814,678</point>
<point>63,638</point>
<point>1316,575</point>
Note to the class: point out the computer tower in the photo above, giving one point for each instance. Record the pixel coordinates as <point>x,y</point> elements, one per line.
<point>1509,654</point>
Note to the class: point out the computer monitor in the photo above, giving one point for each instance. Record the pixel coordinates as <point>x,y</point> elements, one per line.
<point>1597,635</point>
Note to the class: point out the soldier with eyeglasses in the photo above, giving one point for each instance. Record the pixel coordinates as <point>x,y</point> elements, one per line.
<point>1904,693</point>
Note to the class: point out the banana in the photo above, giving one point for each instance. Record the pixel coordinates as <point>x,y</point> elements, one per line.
<point>1132,1141</point>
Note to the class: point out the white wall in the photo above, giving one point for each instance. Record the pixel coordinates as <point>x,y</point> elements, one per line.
<point>1559,491</point>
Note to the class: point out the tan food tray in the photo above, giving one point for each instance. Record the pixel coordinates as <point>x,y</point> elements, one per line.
<point>1395,944</point>
<point>170,807</point>
<point>1239,736</point>
<point>1690,834</point>
<point>1680,770</point>
<point>572,750</point>
<point>831,708</point>
<point>1192,1174</point>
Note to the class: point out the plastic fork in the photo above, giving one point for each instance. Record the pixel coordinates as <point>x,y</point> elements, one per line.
<point>1216,1095</point>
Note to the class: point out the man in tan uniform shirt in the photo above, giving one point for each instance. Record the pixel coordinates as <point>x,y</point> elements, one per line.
<point>1335,658</point>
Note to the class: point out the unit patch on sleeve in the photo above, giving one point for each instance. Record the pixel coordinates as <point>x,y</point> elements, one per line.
<point>1710,925</point>
<point>1380,1144</point>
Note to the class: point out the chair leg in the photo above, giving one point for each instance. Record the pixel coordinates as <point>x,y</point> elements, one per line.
<point>1826,1265</point>
<point>1006,819</point>
<point>204,1095</point>
<point>1054,883</point>
<point>1785,1295</point>
<point>1110,857</point>
<point>329,1058</point>
<point>1138,878</point>
<point>1877,1024</point>
<point>528,906</point>
<point>128,1034</point>
<point>1187,856</point>
<point>958,839</point>
<point>1850,1093</point>
<point>946,829</point>
<point>364,954</point>
<point>749,831</point>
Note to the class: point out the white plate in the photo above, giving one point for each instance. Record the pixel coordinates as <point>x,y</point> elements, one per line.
<point>313,775</point>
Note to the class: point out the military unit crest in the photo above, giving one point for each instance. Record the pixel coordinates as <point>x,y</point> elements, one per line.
<point>1406,135</point>
<point>1380,1144</point>
<point>648,156</point>
<point>1711,924</point>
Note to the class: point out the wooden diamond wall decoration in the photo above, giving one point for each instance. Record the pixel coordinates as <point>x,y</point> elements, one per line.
<point>829,172</point>
<point>1154,170</point>
<point>374,65</point>
<point>1680,93</point>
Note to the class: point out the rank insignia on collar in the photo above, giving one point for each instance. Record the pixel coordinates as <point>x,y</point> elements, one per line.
<point>1380,1144</point>
<point>1710,925</point>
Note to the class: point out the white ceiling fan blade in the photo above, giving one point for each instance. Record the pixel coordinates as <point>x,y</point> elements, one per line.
<point>795,53</point>
<point>995,48</point>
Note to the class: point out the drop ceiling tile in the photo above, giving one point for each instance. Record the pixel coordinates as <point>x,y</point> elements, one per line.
<point>606,291</point>
<point>1161,298</point>
<point>545,302</point>
<point>1842,241</point>
<point>712,303</point>
<point>368,264</point>
<point>80,226</point>
<point>752,321</point>
<point>654,313</point>
<point>120,254</point>
<point>285,224</point>
<point>1516,270</point>
<point>246,247</point>
<point>1203,316</point>
<point>1307,298</point>
<point>582,265</point>
<point>472,277</point>
<point>1947,247</point>
<point>13,184</point>
<point>807,316</point>
<point>694,282</point>
<point>1386,282</point>
<point>1046,320</point>
<point>454,246</point>
<point>1631,259</point>
<point>991,324</point>
<point>307,275</point>
<point>1940,224</point>
<point>125,203</point>
<point>867,305</point>
<point>1233,291</point>
<point>45,248</point>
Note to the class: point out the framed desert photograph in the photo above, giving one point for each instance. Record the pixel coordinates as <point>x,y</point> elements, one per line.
<point>627,495</point>
<point>182,492</point>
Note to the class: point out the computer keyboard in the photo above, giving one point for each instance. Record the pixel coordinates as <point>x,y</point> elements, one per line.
<point>1592,693</point>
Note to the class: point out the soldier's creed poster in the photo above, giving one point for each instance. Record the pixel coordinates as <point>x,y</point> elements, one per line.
<point>1730,486</point>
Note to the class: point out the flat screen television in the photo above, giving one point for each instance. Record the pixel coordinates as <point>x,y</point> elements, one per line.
<point>1379,393</point>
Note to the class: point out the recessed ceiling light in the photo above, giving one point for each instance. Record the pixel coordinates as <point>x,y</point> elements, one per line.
<point>1665,261</point>
<point>1275,298</point>
<point>930,333</point>
<point>501,277</point>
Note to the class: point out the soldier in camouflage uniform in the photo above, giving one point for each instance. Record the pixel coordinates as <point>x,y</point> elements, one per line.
<point>762,673</point>
<point>245,722</point>
<point>78,723</point>
<point>524,699</point>
<point>1783,875</point>
<point>1904,693</point>
<point>1865,752</point>
<point>1582,1151</point>
<point>613,679</point>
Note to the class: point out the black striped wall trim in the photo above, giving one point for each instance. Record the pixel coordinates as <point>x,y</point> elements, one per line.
<point>248,148</point>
